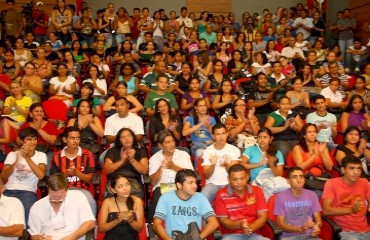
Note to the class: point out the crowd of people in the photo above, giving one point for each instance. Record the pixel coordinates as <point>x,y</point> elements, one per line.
<point>173,97</point>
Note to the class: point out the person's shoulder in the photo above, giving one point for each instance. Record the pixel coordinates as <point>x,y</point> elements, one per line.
<point>134,116</point>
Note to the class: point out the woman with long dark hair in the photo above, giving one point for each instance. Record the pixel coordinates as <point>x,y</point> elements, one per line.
<point>310,155</point>
<point>127,158</point>
<point>355,115</point>
<point>123,214</point>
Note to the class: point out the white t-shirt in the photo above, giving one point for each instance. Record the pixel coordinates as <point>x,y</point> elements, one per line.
<point>114,123</point>
<point>74,211</point>
<point>101,84</point>
<point>228,153</point>
<point>180,158</point>
<point>67,83</point>
<point>11,213</point>
<point>357,57</point>
<point>307,22</point>
<point>289,52</point>
<point>261,68</point>
<point>324,135</point>
<point>336,97</point>
<point>23,177</point>
<point>104,67</point>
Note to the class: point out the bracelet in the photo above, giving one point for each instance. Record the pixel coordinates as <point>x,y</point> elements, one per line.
<point>132,161</point>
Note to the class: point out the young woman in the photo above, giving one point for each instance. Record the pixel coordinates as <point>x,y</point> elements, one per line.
<point>77,53</point>
<point>122,24</point>
<point>256,159</point>
<point>126,76</point>
<point>74,68</point>
<point>355,115</point>
<point>10,67</point>
<point>239,41</point>
<point>55,43</point>
<point>21,54</point>
<point>62,87</point>
<point>271,53</point>
<point>50,55</point>
<point>30,42</point>
<point>201,23</point>
<point>236,67</point>
<point>203,66</point>
<point>172,25</point>
<point>182,80</point>
<point>168,46</point>
<point>320,52</point>
<point>261,64</point>
<point>90,126</point>
<point>32,84</point>
<point>128,158</point>
<point>248,54</point>
<point>310,155</point>
<point>61,19</point>
<point>241,120</point>
<point>87,26</point>
<point>301,43</point>
<point>158,30</point>
<point>228,38</point>
<point>100,84</point>
<point>356,146</point>
<point>199,127</point>
<point>300,101</point>
<point>43,67</point>
<point>285,125</point>
<point>214,80</point>
<point>122,215</point>
<point>189,97</point>
<point>164,120</point>
<point>223,102</point>
<point>361,90</point>
<point>223,54</point>
<point>136,106</point>
<point>259,45</point>
<point>17,105</point>
<point>105,26</point>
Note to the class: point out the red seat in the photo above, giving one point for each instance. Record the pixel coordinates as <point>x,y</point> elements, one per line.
<point>200,172</point>
<point>56,111</point>
<point>239,81</point>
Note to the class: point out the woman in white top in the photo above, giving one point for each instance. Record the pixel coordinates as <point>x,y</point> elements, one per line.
<point>122,24</point>
<point>158,29</point>
<point>21,55</point>
<point>100,85</point>
<point>62,87</point>
<point>261,64</point>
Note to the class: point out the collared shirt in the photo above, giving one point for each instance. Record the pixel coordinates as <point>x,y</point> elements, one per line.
<point>11,213</point>
<point>230,205</point>
<point>74,211</point>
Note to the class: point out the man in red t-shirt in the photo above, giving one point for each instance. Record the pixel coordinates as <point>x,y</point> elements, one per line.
<point>240,208</point>
<point>347,200</point>
<point>4,88</point>
<point>40,21</point>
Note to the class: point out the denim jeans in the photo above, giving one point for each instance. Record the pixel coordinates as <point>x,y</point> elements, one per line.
<point>333,42</point>
<point>120,37</point>
<point>41,38</point>
<point>89,39</point>
<point>159,41</point>
<point>243,237</point>
<point>210,190</point>
<point>343,46</point>
<point>355,235</point>
<point>284,146</point>
<point>26,197</point>
<point>300,238</point>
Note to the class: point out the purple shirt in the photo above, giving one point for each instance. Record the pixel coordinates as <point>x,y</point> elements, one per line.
<point>297,210</point>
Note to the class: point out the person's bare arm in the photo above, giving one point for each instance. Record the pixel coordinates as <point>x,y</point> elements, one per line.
<point>15,230</point>
<point>209,228</point>
<point>159,229</point>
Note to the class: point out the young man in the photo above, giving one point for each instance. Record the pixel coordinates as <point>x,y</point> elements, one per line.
<point>295,207</point>
<point>347,199</point>
<point>209,35</point>
<point>184,21</point>
<point>303,24</point>
<point>262,99</point>
<point>149,81</point>
<point>326,122</point>
<point>13,21</point>
<point>123,118</point>
<point>179,208</point>
<point>63,214</point>
<point>23,169</point>
<point>356,55</point>
<point>162,92</point>
<point>217,158</point>
<point>240,208</point>
<point>11,215</point>
<point>277,82</point>
<point>163,167</point>
<point>77,164</point>
<point>346,26</point>
<point>293,53</point>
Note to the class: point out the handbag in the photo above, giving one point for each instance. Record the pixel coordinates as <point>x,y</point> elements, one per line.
<point>316,182</point>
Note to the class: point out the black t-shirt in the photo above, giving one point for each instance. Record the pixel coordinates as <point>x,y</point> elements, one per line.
<point>258,96</point>
<point>127,170</point>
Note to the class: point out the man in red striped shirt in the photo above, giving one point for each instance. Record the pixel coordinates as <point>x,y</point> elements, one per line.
<point>75,163</point>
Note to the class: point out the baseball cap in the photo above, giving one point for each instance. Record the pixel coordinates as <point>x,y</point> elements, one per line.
<point>39,3</point>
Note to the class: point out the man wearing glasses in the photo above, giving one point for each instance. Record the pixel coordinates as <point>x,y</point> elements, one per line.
<point>63,214</point>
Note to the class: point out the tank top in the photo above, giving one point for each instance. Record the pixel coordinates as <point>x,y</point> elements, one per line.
<point>131,84</point>
<point>87,29</point>
<point>61,18</point>
<point>107,29</point>
<point>123,27</point>
<point>22,58</point>
<point>9,70</point>
<point>122,229</point>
